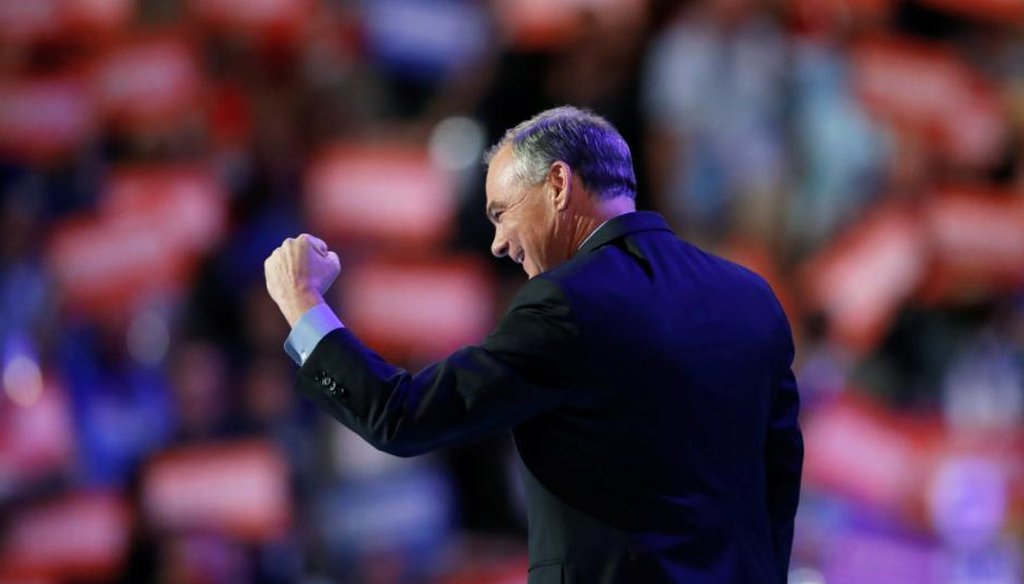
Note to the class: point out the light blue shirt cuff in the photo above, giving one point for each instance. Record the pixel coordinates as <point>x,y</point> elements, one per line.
<point>313,325</point>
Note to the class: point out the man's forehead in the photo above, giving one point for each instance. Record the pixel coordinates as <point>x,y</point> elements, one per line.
<point>499,176</point>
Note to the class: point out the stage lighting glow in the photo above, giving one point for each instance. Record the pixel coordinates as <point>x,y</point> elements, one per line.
<point>23,382</point>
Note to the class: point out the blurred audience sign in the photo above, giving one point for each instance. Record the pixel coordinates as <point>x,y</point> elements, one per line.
<point>386,194</point>
<point>239,490</point>
<point>83,537</point>
<point>405,516</point>
<point>966,485</point>
<point>539,24</point>
<point>269,17</point>
<point>963,244</point>
<point>816,13</point>
<point>421,38</point>
<point>875,457</point>
<point>27,21</point>
<point>152,226</point>
<point>146,83</point>
<point>926,90</point>
<point>977,239</point>
<point>36,429</point>
<point>501,571</point>
<point>55,19</point>
<point>43,118</point>
<point>861,280</point>
<point>421,310</point>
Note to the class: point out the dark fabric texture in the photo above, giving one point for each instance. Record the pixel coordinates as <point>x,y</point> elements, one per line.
<point>649,389</point>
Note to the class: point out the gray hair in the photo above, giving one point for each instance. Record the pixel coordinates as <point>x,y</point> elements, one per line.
<point>591,146</point>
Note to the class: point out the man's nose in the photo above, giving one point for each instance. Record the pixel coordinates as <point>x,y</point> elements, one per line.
<point>499,247</point>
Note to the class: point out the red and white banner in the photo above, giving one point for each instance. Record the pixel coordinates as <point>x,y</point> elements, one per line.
<point>858,449</point>
<point>929,91</point>
<point>185,205</point>
<point>477,570</point>
<point>36,426</point>
<point>150,230</point>
<point>861,280</point>
<point>540,24</point>
<point>45,118</point>
<point>151,82</point>
<point>240,490</point>
<point>385,194</point>
<point>977,241</point>
<point>29,21</point>
<point>908,82</point>
<point>56,20</point>
<point>815,14</point>
<point>265,17</point>
<point>914,467</point>
<point>418,311</point>
<point>97,17</point>
<point>83,537</point>
<point>962,244</point>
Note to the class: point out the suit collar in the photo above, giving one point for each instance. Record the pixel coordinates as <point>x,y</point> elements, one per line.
<point>622,226</point>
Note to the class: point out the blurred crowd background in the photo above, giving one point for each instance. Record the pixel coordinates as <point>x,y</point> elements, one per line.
<point>866,156</point>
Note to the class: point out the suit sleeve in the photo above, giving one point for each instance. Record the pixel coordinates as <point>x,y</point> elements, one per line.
<point>784,453</point>
<point>522,369</point>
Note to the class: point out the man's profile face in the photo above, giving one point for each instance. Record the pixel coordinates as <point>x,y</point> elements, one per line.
<point>524,217</point>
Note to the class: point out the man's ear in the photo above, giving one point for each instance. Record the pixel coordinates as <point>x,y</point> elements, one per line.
<point>560,184</point>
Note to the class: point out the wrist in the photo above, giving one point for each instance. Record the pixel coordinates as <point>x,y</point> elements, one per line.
<point>297,303</point>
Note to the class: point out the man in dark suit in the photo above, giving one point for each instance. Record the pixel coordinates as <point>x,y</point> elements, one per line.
<point>647,383</point>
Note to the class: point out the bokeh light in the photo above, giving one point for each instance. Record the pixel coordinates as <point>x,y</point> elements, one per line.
<point>23,382</point>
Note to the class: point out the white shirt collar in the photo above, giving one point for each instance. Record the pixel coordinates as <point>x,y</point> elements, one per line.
<point>584,242</point>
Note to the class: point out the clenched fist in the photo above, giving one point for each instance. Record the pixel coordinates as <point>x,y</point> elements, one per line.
<point>298,273</point>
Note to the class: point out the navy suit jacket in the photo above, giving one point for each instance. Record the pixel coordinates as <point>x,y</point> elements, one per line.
<point>649,389</point>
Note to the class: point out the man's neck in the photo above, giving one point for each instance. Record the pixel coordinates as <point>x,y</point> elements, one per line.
<point>600,212</point>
